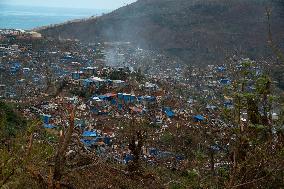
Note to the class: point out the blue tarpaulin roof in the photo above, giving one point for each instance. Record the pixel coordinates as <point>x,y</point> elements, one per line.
<point>103,97</point>
<point>215,148</point>
<point>140,98</point>
<point>120,95</point>
<point>46,118</point>
<point>221,68</point>
<point>107,140</point>
<point>169,112</point>
<point>225,81</point>
<point>128,158</point>
<point>88,143</point>
<point>153,151</point>
<point>89,134</point>
<point>49,126</point>
<point>88,81</point>
<point>199,118</point>
<point>150,98</point>
<point>120,106</point>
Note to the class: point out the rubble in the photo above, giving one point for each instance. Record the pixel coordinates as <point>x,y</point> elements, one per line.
<point>111,84</point>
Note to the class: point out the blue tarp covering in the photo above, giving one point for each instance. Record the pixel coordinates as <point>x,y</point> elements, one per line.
<point>68,57</point>
<point>17,65</point>
<point>75,75</point>
<point>119,106</point>
<point>126,97</point>
<point>91,142</point>
<point>113,101</point>
<point>225,81</point>
<point>140,98</point>
<point>221,68</point>
<point>168,111</point>
<point>49,126</point>
<point>165,154</point>
<point>215,148</point>
<point>128,158</point>
<point>132,98</point>
<point>87,82</point>
<point>109,81</point>
<point>103,97</point>
<point>107,140</point>
<point>46,119</point>
<point>36,79</point>
<point>199,118</point>
<point>150,98</point>
<point>13,69</point>
<point>120,96</point>
<point>87,142</point>
<point>89,134</point>
<point>153,151</point>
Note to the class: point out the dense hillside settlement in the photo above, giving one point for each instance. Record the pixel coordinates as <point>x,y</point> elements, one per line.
<point>111,115</point>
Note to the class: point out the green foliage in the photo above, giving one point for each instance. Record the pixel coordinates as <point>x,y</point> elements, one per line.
<point>226,114</point>
<point>15,159</point>
<point>224,172</point>
<point>254,143</point>
<point>167,138</point>
<point>262,84</point>
<point>192,174</point>
<point>200,155</point>
<point>281,153</point>
<point>19,151</point>
<point>176,186</point>
<point>278,76</point>
<point>10,121</point>
<point>118,75</point>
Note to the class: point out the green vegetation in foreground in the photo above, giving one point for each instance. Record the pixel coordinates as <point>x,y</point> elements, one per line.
<point>10,122</point>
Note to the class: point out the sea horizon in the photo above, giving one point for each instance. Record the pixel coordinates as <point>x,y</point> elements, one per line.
<point>31,17</point>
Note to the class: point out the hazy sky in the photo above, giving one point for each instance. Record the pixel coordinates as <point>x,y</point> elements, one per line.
<point>91,4</point>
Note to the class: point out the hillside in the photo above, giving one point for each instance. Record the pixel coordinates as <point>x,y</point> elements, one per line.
<point>10,122</point>
<point>196,30</point>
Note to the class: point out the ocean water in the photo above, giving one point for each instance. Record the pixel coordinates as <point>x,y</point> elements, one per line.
<point>28,17</point>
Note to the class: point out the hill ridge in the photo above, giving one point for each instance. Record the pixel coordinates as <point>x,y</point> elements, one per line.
<point>197,30</point>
